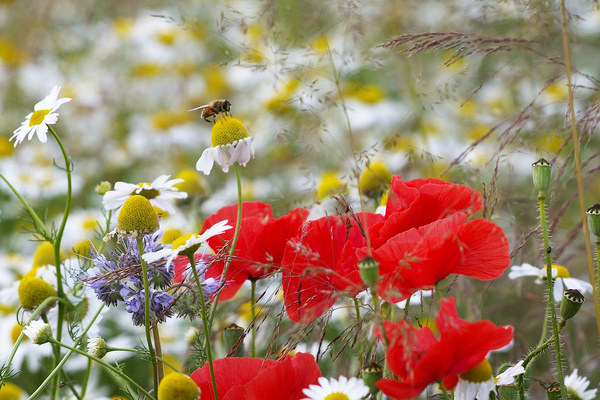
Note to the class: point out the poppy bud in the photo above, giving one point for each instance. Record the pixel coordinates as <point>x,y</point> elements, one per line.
<point>370,375</point>
<point>369,271</point>
<point>594,219</point>
<point>553,391</point>
<point>571,303</point>
<point>542,171</point>
<point>231,337</point>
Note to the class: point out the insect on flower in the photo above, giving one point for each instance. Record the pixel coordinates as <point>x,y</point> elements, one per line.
<point>213,109</point>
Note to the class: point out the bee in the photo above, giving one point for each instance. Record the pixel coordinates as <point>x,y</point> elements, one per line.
<point>213,109</point>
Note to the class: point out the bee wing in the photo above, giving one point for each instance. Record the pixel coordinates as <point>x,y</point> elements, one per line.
<point>199,108</point>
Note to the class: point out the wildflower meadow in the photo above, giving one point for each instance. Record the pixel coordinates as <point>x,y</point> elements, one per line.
<point>299,200</point>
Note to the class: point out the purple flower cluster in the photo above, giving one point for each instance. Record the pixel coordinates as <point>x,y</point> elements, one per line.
<point>118,277</point>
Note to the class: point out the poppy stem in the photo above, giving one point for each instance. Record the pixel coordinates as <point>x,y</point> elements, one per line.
<point>253,317</point>
<point>206,326</point>
<point>551,304</point>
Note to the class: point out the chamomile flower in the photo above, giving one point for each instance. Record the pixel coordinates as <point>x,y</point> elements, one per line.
<point>577,387</point>
<point>188,243</point>
<point>43,115</point>
<point>562,278</point>
<point>230,144</point>
<point>161,192</point>
<point>478,382</point>
<point>339,389</point>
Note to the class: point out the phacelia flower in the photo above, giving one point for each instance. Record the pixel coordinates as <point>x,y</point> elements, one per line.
<point>562,278</point>
<point>339,389</point>
<point>161,192</point>
<point>43,115</point>
<point>38,331</point>
<point>230,144</point>
<point>577,387</point>
<point>177,386</point>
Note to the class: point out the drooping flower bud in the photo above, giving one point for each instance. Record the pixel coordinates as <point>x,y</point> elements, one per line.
<point>38,331</point>
<point>96,347</point>
<point>542,171</point>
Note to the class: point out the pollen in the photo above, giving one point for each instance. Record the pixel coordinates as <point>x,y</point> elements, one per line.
<point>480,373</point>
<point>38,117</point>
<point>227,130</point>
<point>33,291</point>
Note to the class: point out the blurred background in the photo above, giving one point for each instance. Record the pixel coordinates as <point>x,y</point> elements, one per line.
<point>476,103</point>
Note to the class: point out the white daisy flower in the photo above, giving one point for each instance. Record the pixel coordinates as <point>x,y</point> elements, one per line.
<point>43,115</point>
<point>230,144</point>
<point>187,242</point>
<point>478,382</point>
<point>562,278</point>
<point>160,193</point>
<point>38,331</point>
<point>577,387</point>
<point>341,389</point>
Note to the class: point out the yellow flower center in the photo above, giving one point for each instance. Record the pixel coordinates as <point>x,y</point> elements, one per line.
<point>33,291</point>
<point>193,183</point>
<point>169,235</point>
<point>337,396</point>
<point>562,272</point>
<point>180,241</point>
<point>137,215</point>
<point>480,373</point>
<point>227,130</point>
<point>10,391</point>
<point>44,255</point>
<point>38,117</point>
<point>375,179</point>
<point>176,386</point>
<point>147,193</point>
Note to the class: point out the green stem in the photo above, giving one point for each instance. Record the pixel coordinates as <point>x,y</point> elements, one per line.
<point>103,363</point>
<point>39,225</point>
<point>598,268</point>
<point>577,159</point>
<point>56,243</point>
<point>58,367</point>
<point>253,317</point>
<point>86,378</point>
<point>147,314</point>
<point>238,225</point>
<point>551,304</point>
<point>444,391</point>
<point>545,326</point>
<point>206,326</point>
<point>158,350</point>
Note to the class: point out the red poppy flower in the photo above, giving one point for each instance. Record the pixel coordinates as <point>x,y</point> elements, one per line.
<point>419,202</point>
<point>418,358</point>
<point>258,379</point>
<point>260,244</point>
<point>322,264</point>
<point>419,258</point>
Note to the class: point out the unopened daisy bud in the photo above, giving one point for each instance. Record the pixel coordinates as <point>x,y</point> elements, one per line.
<point>33,291</point>
<point>231,336</point>
<point>375,180</point>
<point>137,217</point>
<point>370,375</point>
<point>542,171</point>
<point>38,331</point>
<point>96,347</point>
<point>103,187</point>
<point>571,303</point>
<point>176,386</point>
<point>594,219</point>
<point>369,271</point>
<point>553,391</point>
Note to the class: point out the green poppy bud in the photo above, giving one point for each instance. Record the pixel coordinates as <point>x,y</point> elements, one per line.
<point>542,171</point>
